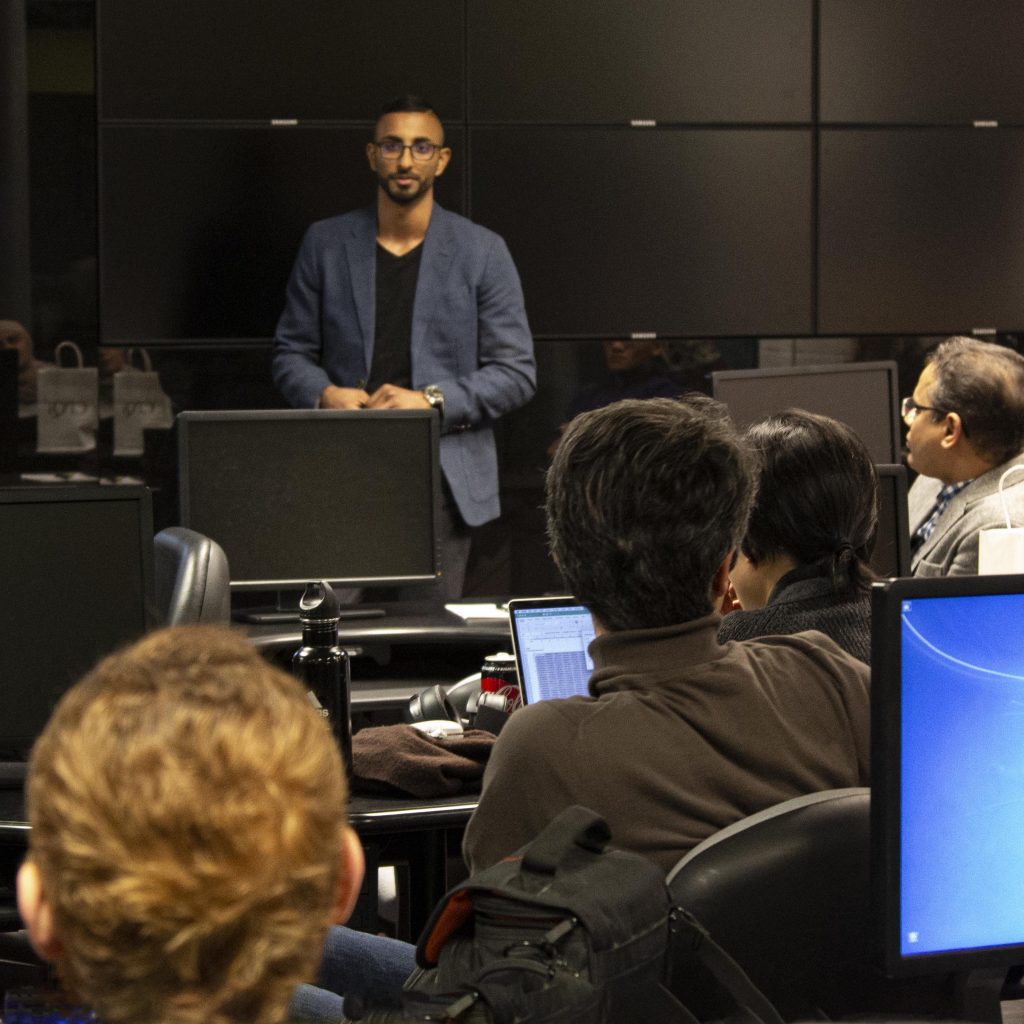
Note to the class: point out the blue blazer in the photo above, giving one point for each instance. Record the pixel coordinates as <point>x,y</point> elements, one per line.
<point>469,335</point>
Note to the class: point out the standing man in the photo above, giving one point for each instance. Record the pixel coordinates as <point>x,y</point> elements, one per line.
<point>404,305</point>
<point>965,428</point>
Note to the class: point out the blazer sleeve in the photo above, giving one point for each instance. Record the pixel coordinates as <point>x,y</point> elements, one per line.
<point>298,346</point>
<point>505,376</point>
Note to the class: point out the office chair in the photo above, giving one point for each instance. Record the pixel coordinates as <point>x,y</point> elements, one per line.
<point>786,892</point>
<point>192,578</point>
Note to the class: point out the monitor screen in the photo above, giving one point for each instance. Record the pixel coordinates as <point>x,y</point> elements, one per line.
<point>620,231</point>
<point>919,230</point>
<point>894,63</point>
<point>216,267</point>
<point>76,574</point>
<point>862,395</point>
<point>670,61</point>
<point>948,771</point>
<point>337,60</point>
<point>295,495</point>
<point>891,556</point>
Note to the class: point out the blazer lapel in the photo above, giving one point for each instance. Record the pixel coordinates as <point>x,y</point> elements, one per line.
<point>361,253</point>
<point>438,250</point>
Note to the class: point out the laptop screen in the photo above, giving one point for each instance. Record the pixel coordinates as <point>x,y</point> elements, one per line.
<point>550,636</point>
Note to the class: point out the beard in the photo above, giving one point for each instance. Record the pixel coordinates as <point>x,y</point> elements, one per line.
<point>404,197</point>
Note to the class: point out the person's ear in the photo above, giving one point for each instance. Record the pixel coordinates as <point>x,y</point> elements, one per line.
<point>350,875</point>
<point>954,430</point>
<point>371,156</point>
<point>720,583</point>
<point>37,913</point>
<point>444,154</point>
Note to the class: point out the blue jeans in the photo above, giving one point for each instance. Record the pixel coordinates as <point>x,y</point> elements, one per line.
<point>367,969</point>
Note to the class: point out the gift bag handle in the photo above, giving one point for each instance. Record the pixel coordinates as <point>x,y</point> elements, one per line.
<point>65,346</point>
<point>131,351</point>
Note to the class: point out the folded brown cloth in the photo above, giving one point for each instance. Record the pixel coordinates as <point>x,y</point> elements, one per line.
<point>399,758</point>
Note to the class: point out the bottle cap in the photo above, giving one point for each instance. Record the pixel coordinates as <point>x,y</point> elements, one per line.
<point>319,603</point>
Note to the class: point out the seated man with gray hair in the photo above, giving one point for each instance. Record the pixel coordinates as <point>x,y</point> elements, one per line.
<point>965,429</point>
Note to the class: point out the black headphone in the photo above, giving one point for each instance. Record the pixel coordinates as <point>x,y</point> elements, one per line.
<point>430,705</point>
<point>488,711</point>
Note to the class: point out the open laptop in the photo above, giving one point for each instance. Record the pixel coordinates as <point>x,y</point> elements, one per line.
<point>550,636</point>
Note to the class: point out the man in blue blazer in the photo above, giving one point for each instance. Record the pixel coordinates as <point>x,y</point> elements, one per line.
<point>406,306</point>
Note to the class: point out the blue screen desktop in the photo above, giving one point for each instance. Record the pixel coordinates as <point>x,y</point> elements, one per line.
<point>962,773</point>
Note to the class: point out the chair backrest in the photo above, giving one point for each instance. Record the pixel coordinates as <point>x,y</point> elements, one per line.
<point>787,893</point>
<point>192,578</point>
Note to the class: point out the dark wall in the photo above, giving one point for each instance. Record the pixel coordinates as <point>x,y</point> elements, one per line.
<point>691,168</point>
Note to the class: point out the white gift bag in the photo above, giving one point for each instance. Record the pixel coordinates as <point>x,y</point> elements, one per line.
<point>139,404</point>
<point>68,396</point>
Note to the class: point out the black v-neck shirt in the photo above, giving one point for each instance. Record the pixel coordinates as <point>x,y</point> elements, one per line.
<point>396,292</point>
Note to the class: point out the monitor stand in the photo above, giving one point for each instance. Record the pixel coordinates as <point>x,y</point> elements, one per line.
<point>286,610</point>
<point>981,993</point>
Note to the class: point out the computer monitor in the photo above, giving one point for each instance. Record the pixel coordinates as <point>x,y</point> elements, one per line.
<point>891,555</point>
<point>948,772</point>
<point>294,495</point>
<point>76,575</point>
<point>865,396</point>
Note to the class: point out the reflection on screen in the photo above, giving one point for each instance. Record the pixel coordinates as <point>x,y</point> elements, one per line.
<point>962,789</point>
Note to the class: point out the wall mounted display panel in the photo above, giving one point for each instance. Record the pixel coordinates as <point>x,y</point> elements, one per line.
<point>921,231</point>
<point>698,232</point>
<point>200,225</point>
<point>236,60</point>
<point>703,61</point>
<point>921,61</point>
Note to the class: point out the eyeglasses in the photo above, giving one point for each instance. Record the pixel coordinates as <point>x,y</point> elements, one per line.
<point>909,410</point>
<point>421,150</point>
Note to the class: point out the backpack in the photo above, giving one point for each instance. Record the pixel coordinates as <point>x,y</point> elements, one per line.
<point>564,930</point>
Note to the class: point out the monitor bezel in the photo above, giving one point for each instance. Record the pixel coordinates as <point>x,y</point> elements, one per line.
<point>886,705</point>
<point>141,498</point>
<point>897,472</point>
<point>24,494</point>
<point>432,423</point>
<point>889,366</point>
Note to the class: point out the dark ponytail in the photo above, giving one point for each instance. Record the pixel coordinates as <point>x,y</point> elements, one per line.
<point>817,498</point>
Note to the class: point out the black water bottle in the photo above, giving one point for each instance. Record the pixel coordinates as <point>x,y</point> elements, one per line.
<point>322,665</point>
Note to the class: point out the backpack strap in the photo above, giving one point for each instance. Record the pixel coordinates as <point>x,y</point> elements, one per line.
<point>575,827</point>
<point>689,934</point>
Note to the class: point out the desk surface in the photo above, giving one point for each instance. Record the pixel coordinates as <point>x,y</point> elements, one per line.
<point>402,624</point>
<point>369,815</point>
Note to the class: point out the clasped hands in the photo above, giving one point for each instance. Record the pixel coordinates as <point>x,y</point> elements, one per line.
<point>387,396</point>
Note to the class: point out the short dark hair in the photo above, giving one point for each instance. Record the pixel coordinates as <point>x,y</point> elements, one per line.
<point>409,103</point>
<point>645,500</point>
<point>984,384</point>
<point>817,497</point>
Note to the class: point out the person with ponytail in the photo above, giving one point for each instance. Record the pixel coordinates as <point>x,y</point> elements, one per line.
<point>803,563</point>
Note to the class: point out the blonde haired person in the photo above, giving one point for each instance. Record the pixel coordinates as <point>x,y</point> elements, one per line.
<point>189,846</point>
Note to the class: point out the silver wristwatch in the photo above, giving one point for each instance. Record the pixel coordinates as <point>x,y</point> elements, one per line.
<point>435,396</point>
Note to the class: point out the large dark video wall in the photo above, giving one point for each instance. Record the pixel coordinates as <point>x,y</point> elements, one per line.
<point>690,168</point>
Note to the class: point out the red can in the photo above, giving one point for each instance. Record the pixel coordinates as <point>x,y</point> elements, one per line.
<point>498,675</point>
